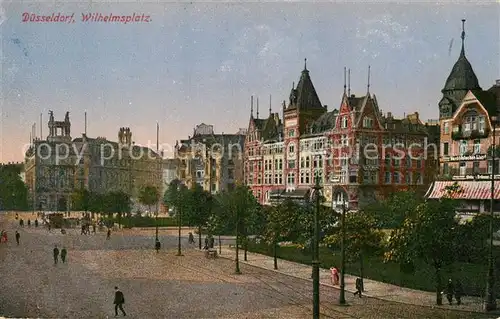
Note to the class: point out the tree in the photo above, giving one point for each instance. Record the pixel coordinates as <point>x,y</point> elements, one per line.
<point>149,196</point>
<point>119,202</point>
<point>81,199</point>
<point>362,238</point>
<point>391,212</point>
<point>13,191</point>
<point>430,235</point>
<point>199,202</point>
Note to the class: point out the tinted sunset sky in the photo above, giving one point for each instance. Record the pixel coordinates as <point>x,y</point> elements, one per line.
<point>201,62</point>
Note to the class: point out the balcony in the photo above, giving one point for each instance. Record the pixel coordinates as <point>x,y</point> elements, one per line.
<point>459,134</point>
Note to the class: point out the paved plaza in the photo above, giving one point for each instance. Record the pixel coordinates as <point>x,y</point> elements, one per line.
<point>161,285</point>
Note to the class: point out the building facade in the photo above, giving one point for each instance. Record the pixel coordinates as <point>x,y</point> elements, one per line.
<point>467,135</point>
<point>358,153</point>
<point>57,167</point>
<point>213,161</point>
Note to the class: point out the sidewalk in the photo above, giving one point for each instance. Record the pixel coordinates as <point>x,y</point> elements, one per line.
<point>373,288</point>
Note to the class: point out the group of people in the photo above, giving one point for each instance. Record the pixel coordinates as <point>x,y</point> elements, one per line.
<point>63,253</point>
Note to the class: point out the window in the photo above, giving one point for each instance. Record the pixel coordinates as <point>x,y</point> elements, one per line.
<point>291,178</point>
<point>344,122</point>
<point>462,147</point>
<point>280,163</point>
<point>475,167</point>
<point>344,140</point>
<point>463,168</point>
<point>291,163</point>
<point>419,163</point>
<point>481,124</point>
<point>446,148</point>
<point>302,162</point>
<point>291,133</point>
<point>387,178</point>
<point>302,177</point>
<point>387,160</point>
<point>408,161</point>
<point>497,167</point>
<point>259,179</point>
<point>446,169</point>
<point>318,161</point>
<point>367,122</point>
<point>477,146</point>
<point>397,162</point>
<point>308,164</point>
<point>419,179</point>
<point>397,179</point>
<point>408,178</point>
<point>446,128</point>
<point>291,148</point>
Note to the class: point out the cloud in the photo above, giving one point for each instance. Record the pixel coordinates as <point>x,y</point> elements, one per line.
<point>385,30</point>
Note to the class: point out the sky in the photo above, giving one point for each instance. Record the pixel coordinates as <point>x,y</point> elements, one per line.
<point>200,62</point>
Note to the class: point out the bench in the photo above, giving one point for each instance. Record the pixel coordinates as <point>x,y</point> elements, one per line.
<point>211,253</point>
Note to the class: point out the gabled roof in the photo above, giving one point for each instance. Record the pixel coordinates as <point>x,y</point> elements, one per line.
<point>304,96</point>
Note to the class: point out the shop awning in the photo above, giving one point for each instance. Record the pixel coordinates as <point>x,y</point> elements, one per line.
<point>480,190</point>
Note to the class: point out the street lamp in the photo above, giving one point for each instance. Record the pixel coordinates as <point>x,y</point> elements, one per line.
<point>336,195</point>
<point>275,241</point>
<point>490,303</point>
<point>315,260</point>
<point>179,219</point>
<point>237,260</point>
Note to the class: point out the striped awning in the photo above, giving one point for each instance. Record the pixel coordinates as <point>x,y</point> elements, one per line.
<point>465,190</point>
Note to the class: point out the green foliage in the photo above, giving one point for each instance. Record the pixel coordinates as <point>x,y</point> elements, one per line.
<point>149,196</point>
<point>112,202</point>
<point>144,221</point>
<point>198,206</point>
<point>362,237</point>
<point>81,199</point>
<point>474,236</point>
<point>13,191</point>
<point>392,212</point>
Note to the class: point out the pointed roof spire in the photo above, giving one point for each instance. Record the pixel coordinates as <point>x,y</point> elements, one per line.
<point>462,52</point>
<point>251,106</point>
<point>345,83</point>
<point>293,85</point>
<point>368,86</point>
<point>349,82</point>
<point>270,109</point>
<point>257,107</point>
<point>305,64</point>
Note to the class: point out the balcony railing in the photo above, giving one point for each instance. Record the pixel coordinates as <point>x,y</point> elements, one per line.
<point>459,134</point>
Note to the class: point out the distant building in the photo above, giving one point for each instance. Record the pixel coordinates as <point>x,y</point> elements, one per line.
<point>466,135</point>
<point>356,151</point>
<point>214,161</point>
<point>58,166</point>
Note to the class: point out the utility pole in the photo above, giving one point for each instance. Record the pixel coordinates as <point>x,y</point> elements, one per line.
<point>315,262</point>
<point>490,303</point>
<point>342,262</point>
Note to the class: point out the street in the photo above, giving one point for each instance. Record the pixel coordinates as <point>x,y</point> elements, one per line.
<point>160,285</point>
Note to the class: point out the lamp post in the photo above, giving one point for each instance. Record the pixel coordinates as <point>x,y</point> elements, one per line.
<point>315,260</point>
<point>275,241</point>
<point>490,303</point>
<point>179,219</point>
<point>237,260</point>
<point>336,196</point>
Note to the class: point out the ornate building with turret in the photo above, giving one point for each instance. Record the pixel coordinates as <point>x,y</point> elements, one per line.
<point>59,165</point>
<point>359,154</point>
<point>469,129</point>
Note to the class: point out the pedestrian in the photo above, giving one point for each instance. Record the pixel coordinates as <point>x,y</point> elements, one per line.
<point>108,235</point>
<point>119,301</point>
<point>206,243</point>
<point>359,287</point>
<point>191,238</point>
<point>18,236</point>
<point>212,241</point>
<point>29,223</point>
<point>21,222</point>
<point>450,291</point>
<point>64,253</point>
<point>93,228</point>
<point>56,254</point>
<point>83,230</point>
<point>17,216</point>
<point>4,236</point>
<point>36,222</point>
<point>458,292</point>
<point>157,246</point>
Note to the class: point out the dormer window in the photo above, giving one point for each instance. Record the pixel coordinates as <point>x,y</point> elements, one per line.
<point>367,122</point>
<point>472,121</point>
<point>291,148</point>
<point>291,133</point>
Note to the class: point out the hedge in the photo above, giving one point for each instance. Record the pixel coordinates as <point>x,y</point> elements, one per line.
<point>136,221</point>
<point>472,276</point>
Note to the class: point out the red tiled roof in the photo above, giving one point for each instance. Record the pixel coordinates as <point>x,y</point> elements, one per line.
<point>466,190</point>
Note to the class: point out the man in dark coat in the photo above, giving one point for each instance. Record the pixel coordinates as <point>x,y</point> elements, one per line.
<point>64,253</point>
<point>359,287</point>
<point>450,290</point>
<point>18,236</point>
<point>458,292</point>
<point>56,254</point>
<point>119,301</point>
